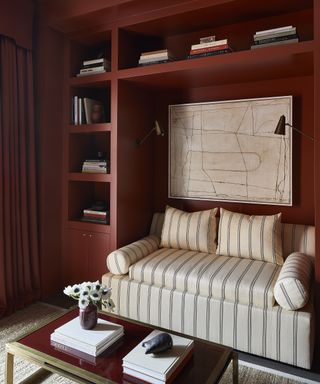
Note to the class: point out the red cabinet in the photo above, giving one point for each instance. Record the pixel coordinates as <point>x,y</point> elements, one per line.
<point>85,256</point>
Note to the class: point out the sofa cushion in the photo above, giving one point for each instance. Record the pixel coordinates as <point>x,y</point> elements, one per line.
<point>192,231</point>
<point>220,277</point>
<point>252,237</point>
<point>292,289</point>
<point>119,261</point>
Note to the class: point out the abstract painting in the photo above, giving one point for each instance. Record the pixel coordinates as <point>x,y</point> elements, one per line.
<point>227,151</point>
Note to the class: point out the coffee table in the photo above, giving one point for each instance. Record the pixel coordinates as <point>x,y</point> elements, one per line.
<point>207,365</point>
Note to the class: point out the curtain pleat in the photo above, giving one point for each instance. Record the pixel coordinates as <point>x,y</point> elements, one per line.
<point>19,257</point>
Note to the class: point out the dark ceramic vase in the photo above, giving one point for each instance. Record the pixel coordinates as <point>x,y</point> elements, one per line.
<point>88,317</point>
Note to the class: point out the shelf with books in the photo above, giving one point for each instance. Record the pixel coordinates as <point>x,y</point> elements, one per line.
<point>90,105</point>
<point>231,21</point>
<point>235,67</point>
<point>95,80</point>
<point>90,53</point>
<point>94,148</point>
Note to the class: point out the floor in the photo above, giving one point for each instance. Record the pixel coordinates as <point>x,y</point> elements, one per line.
<point>302,375</point>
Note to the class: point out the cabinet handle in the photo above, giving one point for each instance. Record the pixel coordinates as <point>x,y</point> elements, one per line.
<point>90,235</point>
<point>83,234</point>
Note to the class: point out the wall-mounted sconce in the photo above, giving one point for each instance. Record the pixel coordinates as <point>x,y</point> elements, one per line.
<point>281,128</point>
<point>159,132</point>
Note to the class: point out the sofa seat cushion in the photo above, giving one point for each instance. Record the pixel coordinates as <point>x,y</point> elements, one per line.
<point>220,277</point>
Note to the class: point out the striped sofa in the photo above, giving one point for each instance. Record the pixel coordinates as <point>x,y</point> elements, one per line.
<point>223,299</point>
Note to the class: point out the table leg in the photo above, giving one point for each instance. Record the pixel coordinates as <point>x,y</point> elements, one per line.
<point>235,368</point>
<point>9,368</point>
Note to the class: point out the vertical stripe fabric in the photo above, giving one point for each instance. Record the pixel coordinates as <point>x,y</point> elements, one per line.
<point>192,231</point>
<point>292,289</point>
<point>251,237</point>
<point>274,333</point>
<point>119,261</point>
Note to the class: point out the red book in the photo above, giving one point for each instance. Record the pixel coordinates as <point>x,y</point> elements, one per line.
<point>209,49</point>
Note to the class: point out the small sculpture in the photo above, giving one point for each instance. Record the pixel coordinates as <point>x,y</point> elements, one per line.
<point>159,343</point>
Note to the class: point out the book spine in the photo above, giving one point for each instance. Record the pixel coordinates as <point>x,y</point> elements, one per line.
<point>214,53</point>
<point>275,43</point>
<point>142,376</point>
<point>209,49</point>
<point>157,58</point>
<point>93,69</point>
<point>74,352</point>
<point>154,62</point>
<point>211,44</point>
<point>278,34</point>
<point>207,39</point>
<point>94,61</point>
<point>273,39</point>
<point>281,29</point>
<point>75,110</point>
<point>72,344</point>
<point>160,51</point>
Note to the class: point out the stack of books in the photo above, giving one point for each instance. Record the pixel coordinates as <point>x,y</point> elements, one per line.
<point>155,57</point>
<point>276,36</point>
<point>71,338</point>
<point>209,46</point>
<point>82,110</point>
<point>95,66</point>
<point>95,166</point>
<point>97,213</point>
<point>160,368</point>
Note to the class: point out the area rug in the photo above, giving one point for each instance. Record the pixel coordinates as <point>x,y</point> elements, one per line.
<point>32,317</point>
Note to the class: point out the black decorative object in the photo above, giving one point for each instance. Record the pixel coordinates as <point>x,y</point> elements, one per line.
<point>159,343</point>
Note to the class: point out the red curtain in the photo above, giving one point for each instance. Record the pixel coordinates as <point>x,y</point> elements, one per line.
<point>19,258</point>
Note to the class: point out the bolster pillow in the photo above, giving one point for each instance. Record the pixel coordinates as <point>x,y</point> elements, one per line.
<point>292,289</point>
<point>119,261</point>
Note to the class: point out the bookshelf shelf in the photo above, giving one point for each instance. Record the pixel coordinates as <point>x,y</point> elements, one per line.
<point>96,177</point>
<point>266,63</point>
<point>99,80</point>
<point>90,128</point>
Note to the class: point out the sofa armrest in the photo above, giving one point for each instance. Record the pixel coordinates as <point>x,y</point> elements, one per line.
<point>119,261</point>
<point>292,288</point>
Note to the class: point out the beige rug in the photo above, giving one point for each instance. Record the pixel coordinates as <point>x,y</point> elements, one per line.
<point>25,320</point>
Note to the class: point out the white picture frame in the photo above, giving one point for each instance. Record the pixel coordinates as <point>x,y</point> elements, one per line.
<point>227,151</point>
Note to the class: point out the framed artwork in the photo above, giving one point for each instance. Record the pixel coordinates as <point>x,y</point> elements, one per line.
<point>227,151</point>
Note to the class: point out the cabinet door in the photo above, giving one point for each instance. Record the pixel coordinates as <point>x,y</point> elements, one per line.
<point>99,248</point>
<point>75,259</point>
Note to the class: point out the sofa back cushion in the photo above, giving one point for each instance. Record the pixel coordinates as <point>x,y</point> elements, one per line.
<point>295,237</point>
<point>250,237</point>
<point>194,231</point>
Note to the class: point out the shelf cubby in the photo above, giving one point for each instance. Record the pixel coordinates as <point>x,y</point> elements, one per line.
<point>82,194</point>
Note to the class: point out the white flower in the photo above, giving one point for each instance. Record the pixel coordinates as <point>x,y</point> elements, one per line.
<point>95,296</point>
<point>96,286</point>
<point>83,303</point>
<point>76,288</point>
<point>84,293</point>
<point>109,304</point>
<point>68,290</point>
<point>87,285</point>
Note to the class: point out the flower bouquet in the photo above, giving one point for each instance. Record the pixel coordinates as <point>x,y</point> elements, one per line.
<point>90,296</point>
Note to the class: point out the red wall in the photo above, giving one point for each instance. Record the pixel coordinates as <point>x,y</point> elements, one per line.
<point>302,210</point>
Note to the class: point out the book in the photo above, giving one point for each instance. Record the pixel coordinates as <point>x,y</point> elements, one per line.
<point>207,39</point>
<point>212,53</point>
<point>92,342</point>
<point>152,53</point>
<point>90,73</point>
<point>273,39</point>
<point>93,69</point>
<point>290,41</point>
<point>75,111</point>
<point>94,61</point>
<point>71,345</point>
<point>209,49</point>
<point>275,30</point>
<point>88,107</point>
<point>154,58</point>
<point>210,44</point>
<point>154,62</point>
<point>157,368</point>
<point>274,34</point>
<point>73,352</point>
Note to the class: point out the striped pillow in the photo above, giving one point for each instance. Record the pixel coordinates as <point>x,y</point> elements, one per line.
<point>251,237</point>
<point>193,231</point>
<point>119,261</point>
<point>292,288</point>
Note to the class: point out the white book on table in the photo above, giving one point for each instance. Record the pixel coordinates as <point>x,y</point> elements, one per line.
<point>91,340</point>
<point>157,367</point>
<point>55,338</point>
